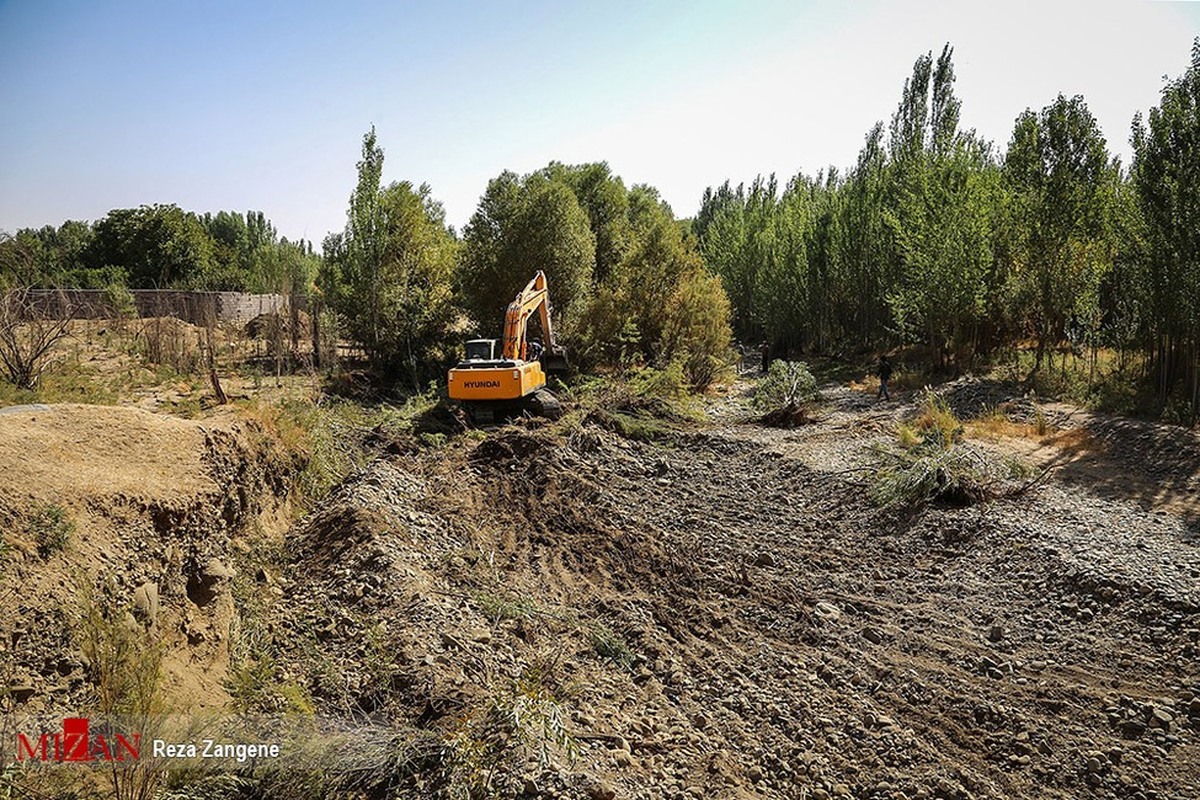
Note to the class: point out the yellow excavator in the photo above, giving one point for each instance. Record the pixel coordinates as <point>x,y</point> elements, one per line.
<point>504,379</point>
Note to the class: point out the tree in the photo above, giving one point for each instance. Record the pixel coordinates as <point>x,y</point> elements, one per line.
<point>158,246</point>
<point>1062,183</point>
<point>390,274</point>
<point>1166,173</point>
<point>31,328</point>
<point>523,225</point>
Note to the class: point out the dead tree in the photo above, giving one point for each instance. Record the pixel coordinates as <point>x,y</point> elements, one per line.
<point>31,326</point>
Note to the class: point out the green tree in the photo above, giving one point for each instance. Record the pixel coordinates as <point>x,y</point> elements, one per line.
<point>390,274</point>
<point>1062,184</point>
<point>1166,173</point>
<point>523,225</point>
<point>158,246</point>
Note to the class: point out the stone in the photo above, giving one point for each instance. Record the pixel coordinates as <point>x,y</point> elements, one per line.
<point>764,559</point>
<point>216,570</point>
<point>828,610</point>
<point>995,633</point>
<point>145,603</point>
<point>601,790</point>
<point>21,691</point>
<point>872,635</point>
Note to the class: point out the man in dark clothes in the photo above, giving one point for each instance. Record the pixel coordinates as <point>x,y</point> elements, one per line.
<point>764,350</point>
<point>884,371</point>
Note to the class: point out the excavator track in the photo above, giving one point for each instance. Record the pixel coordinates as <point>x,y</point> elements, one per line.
<point>486,413</point>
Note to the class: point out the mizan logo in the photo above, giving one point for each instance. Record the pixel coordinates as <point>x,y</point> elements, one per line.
<point>75,744</point>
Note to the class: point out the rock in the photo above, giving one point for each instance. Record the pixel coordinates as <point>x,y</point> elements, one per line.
<point>481,635</point>
<point>764,559</point>
<point>995,633</point>
<point>601,790</point>
<point>21,691</point>
<point>216,570</point>
<point>1161,718</point>
<point>145,603</point>
<point>828,611</point>
<point>873,636</point>
<point>1132,728</point>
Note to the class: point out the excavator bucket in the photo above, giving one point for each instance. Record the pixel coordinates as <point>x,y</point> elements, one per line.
<point>555,360</point>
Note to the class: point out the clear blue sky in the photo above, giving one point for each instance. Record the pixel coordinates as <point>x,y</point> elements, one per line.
<point>262,105</point>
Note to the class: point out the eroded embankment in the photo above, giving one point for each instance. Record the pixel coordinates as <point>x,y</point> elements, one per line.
<point>146,519</point>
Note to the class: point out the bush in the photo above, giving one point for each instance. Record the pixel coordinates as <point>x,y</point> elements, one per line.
<point>696,328</point>
<point>935,424</point>
<point>910,479</point>
<point>521,722</point>
<point>51,528</point>
<point>787,384</point>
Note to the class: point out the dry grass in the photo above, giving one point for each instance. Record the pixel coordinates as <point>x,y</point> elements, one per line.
<point>995,425</point>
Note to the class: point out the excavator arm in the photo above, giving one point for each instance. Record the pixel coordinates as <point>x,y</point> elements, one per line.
<point>533,299</point>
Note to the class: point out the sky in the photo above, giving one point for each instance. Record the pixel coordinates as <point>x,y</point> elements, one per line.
<point>263,105</point>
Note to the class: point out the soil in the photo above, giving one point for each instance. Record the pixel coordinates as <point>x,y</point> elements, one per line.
<point>785,637</point>
<point>721,611</point>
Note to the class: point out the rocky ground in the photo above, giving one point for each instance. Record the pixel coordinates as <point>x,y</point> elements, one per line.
<point>557,610</point>
<point>724,613</point>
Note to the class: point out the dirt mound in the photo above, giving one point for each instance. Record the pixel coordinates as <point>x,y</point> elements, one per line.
<point>578,612</point>
<point>272,325</point>
<point>137,511</point>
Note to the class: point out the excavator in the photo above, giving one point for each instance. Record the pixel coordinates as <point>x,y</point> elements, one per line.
<point>504,379</point>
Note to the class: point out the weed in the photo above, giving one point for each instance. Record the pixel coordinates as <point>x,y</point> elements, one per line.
<point>907,436</point>
<point>125,668</point>
<point>432,439</point>
<point>252,679</point>
<point>609,645</point>
<point>522,719</point>
<point>383,674</point>
<point>51,528</point>
<point>497,607</point>
<point>1017,468</point>
<point>936,424</point>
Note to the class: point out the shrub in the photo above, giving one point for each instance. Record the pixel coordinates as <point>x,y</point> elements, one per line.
<point>936,424</point>
<point>524,719</point>
<point>909,479</point>
<point>787,384</point>
<point>51,528</point>
<point>696,328</point>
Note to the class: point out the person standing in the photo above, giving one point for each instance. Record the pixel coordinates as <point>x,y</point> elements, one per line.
<point>884,371</point>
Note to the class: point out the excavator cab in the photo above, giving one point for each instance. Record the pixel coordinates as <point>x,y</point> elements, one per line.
<point>481,350</point>
<point>505,378</point>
